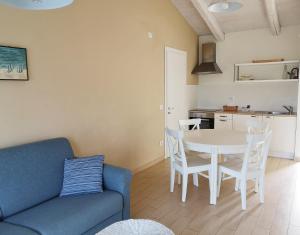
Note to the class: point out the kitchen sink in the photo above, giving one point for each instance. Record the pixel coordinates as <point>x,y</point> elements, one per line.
<point>278,113</point>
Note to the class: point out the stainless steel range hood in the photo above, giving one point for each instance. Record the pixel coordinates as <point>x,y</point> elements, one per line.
<point>209,64</point>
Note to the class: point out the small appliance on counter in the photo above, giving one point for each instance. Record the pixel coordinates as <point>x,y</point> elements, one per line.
<point>294,74</point>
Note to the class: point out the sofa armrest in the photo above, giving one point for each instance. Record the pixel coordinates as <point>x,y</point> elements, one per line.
<point>119,179</point>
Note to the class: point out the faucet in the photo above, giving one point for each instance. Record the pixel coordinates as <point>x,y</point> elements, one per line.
<point>289,108</point>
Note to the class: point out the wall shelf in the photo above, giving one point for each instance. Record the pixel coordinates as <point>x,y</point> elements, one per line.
<point>270,63</point>
<point>266,81</point>
<point>266,72</point>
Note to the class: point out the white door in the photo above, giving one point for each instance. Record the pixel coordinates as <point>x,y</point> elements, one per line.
<point>176,94</point>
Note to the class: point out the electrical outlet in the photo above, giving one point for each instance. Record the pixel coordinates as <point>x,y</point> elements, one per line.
<point>161,143</point>
<point>161,107</point>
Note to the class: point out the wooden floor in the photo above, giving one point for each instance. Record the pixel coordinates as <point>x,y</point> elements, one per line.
<point>279,215</point>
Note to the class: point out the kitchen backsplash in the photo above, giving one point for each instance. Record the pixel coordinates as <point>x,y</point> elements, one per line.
<point>269,96</point>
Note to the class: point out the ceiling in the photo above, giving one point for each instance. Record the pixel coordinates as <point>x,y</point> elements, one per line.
<point>251,16</point>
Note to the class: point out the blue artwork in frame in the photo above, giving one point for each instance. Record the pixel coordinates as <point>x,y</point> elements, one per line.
<point>13,63</point>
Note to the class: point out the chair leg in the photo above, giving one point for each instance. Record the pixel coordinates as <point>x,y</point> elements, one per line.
<point>261,190</point>
<point>219,182</point>
<point>184,186</point>
<point>179,178</point>
<point>172,179</point>
<point>243,194</point>
<point>195,179</point>
<point>237,185</point>
<point>256,189</point>
<point>210,184</point>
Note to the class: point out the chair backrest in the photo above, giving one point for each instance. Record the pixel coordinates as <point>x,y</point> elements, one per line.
<point>266,148</point>
<point>257,151</point>
<point>256,127</point>
<point>175,146</point>
<point>185,124</point>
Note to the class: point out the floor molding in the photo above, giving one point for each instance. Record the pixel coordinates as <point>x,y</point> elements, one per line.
<point>147,165</point>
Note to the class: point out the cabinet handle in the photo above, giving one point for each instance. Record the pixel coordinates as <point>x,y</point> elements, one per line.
<point>222,120</point>
<point>253,116</point>
<point>223,116</point>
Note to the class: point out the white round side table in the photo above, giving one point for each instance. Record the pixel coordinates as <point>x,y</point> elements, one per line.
<point>136,227</point>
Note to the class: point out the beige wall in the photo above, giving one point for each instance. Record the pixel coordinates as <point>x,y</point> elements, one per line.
<point>95,76</point>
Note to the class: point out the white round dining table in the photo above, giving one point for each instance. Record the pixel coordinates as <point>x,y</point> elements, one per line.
<point>215,142</point>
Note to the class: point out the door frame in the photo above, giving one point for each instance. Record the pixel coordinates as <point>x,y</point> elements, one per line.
<point>297,141</point>
<point>168,49</point>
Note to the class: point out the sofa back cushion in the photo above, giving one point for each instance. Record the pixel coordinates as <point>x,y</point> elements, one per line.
<point>31,174</point>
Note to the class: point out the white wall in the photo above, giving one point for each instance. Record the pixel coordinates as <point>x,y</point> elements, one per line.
<point>192,92</point>
<point>241,47</point>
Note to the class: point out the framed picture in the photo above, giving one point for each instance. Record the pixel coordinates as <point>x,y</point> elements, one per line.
<point>13,63</point>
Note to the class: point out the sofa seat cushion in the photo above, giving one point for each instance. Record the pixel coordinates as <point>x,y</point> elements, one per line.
<point>11,229</point>
<point>70,215</point>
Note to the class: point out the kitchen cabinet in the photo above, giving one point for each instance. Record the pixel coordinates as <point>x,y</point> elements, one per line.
<point>283,130</point>
<point>223,121</point>
<point>283,135</point>
<point>240,121</point>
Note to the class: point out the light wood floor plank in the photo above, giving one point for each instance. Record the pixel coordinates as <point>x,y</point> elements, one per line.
<point>279,215</point>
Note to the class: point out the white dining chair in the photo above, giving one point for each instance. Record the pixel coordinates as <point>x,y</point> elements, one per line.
<point>183,163</point>
<point>251,167</point>
<point>185,124</point>
<point>256,126</point>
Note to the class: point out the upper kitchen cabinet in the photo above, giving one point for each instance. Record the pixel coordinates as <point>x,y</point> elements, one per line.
<point>281,71</point>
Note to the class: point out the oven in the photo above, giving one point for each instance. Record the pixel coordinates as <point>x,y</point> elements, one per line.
<point>207,117</point>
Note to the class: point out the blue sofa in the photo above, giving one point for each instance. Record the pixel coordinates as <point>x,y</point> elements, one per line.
<point>31,178</point>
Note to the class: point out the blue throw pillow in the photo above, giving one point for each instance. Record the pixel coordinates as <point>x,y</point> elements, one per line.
<point>83,175</point>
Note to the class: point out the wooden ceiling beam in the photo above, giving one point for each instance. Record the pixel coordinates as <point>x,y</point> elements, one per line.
<point>272,15</point>
<point>209,19</point>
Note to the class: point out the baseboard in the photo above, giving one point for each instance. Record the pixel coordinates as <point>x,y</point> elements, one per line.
<point>280,154</point>
<point>149,164</point>
<point>297,159</point>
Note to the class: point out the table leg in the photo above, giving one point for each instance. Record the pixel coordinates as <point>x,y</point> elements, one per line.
<point>214,178</point>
